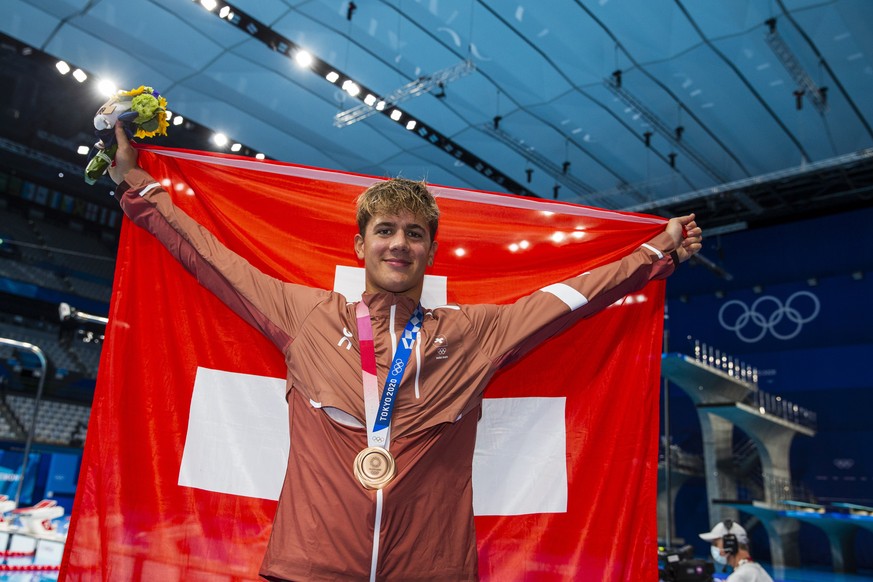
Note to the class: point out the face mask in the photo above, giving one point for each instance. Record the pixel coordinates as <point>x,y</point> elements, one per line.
<point>716,555</point>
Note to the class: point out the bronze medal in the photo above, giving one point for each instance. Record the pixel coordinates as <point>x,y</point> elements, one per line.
<point>374,467</point>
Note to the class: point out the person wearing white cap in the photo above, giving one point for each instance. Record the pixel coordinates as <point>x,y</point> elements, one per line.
<point>730,547</point>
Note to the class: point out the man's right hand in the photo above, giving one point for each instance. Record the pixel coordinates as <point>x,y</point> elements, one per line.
<point>125,157</point>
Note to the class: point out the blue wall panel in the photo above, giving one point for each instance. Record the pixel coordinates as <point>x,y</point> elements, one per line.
<point>811,338</point>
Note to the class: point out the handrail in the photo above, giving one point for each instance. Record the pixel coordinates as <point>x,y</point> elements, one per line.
<point>30,434</point>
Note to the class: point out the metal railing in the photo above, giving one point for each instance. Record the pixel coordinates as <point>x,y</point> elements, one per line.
<point>781,408</point>
<point>764,402</point>
<point>32,430</point>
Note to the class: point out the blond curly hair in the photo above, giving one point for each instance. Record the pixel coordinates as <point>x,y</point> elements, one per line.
<point>394,196</point>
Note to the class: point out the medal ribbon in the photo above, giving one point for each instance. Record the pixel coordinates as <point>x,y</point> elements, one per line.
<point>379,411</point>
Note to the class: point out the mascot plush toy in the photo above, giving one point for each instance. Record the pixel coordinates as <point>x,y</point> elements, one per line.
<point>143,113</point>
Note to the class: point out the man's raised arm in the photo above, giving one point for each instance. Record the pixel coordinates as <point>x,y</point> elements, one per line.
<point>274,307</point>
<point>508,331</point>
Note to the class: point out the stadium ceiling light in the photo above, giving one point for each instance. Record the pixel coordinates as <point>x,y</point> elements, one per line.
<point>178,120</point>
<point>62,67</point>
<point>224,12</point>
<point>332,77</point>
<point>260,156</point>
<point>80,75</point>
<point>219,139</point>
<point>169,115</point>
<point>236,147</point>
<point>370,99</point>
<point>303,58</point>
<point>351,88</point>
<point>411,125</point>
<point>83,150</point>
<point>396,115</point>
<point>380,106</point>
<point>106,88</point>
<point>209,4</point>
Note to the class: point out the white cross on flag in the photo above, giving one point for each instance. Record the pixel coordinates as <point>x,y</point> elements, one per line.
<point>188,437</point>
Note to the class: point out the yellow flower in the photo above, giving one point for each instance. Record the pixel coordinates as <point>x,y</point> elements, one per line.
<point>138,91</point>
<point>162,123</point>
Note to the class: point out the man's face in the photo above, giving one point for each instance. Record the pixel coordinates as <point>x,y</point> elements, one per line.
<point>719,546</point>
<point>396,249</point>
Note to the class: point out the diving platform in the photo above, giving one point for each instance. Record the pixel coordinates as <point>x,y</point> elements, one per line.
<point>727,397</point>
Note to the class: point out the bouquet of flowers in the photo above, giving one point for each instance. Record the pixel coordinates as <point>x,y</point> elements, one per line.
<point>144,114</point>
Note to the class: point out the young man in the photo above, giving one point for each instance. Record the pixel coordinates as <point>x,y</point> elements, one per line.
<point>730,547</point>
<point>382,431</point>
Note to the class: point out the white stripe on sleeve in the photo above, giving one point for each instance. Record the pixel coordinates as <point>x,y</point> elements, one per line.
<point>567,294</point>
<point>149,188</point>
<point>653,249</point>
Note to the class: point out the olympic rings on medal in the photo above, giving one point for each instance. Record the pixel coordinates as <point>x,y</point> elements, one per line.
<point>397,367</point>
<point>751,324</point>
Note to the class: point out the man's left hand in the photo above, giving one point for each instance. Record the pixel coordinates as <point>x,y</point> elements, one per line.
<point>687,236</point>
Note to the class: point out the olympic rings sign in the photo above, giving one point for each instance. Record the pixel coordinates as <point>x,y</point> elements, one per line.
<point>751,323</point>
<point>397,367</point>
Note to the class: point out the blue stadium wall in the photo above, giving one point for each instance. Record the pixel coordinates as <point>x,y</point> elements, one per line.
<point>819,354</point>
